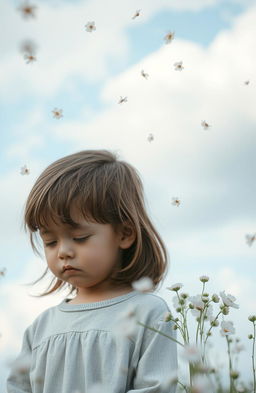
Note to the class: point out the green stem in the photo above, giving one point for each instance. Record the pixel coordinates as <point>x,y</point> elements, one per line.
<point>253,362</point>
<point>158,331</point>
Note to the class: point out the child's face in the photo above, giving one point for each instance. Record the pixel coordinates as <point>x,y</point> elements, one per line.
<point>93,250</point>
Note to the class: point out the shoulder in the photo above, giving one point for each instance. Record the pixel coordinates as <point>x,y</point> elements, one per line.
<point>41,319</point>
<point>150,306</point>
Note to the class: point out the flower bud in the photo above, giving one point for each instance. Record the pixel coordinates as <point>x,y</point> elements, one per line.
<point>184,295</point>
<point>252,318</point>
<point>225,310</point>
<point>234,374</point>
<point>191,306</point>
<point>167,316</point>
<point>250,336</point>
<point>204,278</point>
<point>178,309</point>
<point>215,298</point>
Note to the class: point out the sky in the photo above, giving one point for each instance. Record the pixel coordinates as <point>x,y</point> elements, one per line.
<point>210,170</point>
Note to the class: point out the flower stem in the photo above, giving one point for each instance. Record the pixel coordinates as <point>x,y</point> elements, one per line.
<point>253,362</point>
<point>158,331</point>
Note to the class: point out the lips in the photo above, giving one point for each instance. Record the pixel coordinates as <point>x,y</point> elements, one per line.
<point>69,267</point>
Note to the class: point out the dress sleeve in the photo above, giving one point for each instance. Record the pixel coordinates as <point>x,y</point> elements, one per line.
<point>18,380</point>
<point>157,367</point>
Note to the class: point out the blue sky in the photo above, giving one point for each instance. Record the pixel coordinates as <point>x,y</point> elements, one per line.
<point>211,171</point>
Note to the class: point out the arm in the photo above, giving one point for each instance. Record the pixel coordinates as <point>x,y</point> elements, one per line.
<point>158,361</point>
<point>18,380</point>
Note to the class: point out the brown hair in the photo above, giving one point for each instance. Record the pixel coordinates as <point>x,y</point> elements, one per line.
<point>106,190</point>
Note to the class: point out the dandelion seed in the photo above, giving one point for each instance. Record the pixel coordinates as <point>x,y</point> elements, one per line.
<point>169,37</point>
<point>178,66</point>
<point>57,113</point>
<point>205,125</point>
<point>27,10</point>
<point>175,201</point>
<point>150,137</point>
<point>90,26</point>
<point>228,300</point>
<point>144,284</point>
<point>122,99</point>
<point>24,170</point>
<point>3,271</point>
<point>175,287</point>
<point>28,46</point>
<point>137,13</point>
<point>144,74</point>
<point>246,82</point>
<point>250,239</point>
<point>30,58</point>
<point>227,328</point>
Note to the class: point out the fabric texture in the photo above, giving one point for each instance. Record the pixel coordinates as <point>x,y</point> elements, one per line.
<point>78,348</point>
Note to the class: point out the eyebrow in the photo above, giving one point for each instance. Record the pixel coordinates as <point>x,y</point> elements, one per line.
<point>76,226</point>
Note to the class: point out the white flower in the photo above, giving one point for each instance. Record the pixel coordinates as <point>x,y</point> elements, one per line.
<point>205,125</point>
<point>24,170</point>
<point>150,137</point>
<point>228,300</point>
<point>169,37</point>
<point>57,113</point>
<point>90,26</point>
<point>122,99</point>
<point>175,287</point>
<point>227,328</point>
<point>250,239</point>
<point>207,314</point>
<point>238,348</point>
<point>137,13</point>
<point>197,302</point>
<point>191,353</point>
<point>172,380</point>
<point>178,66</point>
<point>143,284</point>
<point>175,201</point>
<point>144,74</point>
<point>201,384</point>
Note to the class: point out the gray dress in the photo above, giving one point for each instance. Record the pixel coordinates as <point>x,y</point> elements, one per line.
<point>97,347</point>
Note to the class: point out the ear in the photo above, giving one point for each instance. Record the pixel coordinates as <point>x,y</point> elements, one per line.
<point>127,235</point>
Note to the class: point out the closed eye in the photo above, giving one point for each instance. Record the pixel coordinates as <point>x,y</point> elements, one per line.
<point>78,239</point>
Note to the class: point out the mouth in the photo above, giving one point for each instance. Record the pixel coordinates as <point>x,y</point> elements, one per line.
<point>70,269</point>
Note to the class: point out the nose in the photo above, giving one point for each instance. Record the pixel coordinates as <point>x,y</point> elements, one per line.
<point>65,250</point>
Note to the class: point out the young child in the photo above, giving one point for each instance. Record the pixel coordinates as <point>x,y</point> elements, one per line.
<point>88,209</point>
